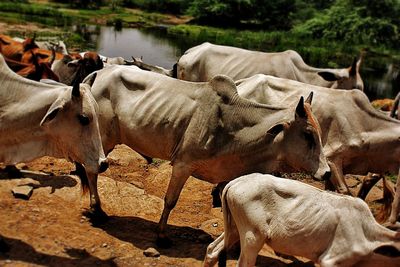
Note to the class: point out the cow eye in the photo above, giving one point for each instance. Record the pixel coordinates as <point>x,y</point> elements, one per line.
<point>83,119</point>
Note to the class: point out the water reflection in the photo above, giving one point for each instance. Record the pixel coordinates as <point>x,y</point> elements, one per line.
<point>133,42</point>
<point>380,73</point>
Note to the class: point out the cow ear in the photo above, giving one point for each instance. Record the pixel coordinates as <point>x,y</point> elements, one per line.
<point>73,63</point>
<point>224,86</point>
<point>388,251</point>
<point>310,97</point>
<point>90,79</point>
<point>275,130</point>
<point>329,76</point>
<point>51,113</point>
<point>300,110</point>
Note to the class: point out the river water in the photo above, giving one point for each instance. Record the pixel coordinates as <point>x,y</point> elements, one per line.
<point>157,48</point>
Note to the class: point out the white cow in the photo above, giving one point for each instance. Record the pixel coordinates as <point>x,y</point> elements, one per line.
<point>205,129</point>
<point>295,218</point>
<point>356,138</point>
<point>202,62</point>
<point>38,119</point>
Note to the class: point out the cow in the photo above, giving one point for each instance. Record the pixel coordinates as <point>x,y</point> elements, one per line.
<point>202,62</point>
<point>34,71</point>
<point>205,129</point>
<point>395,111</point>
<point>42,55</point>
<point>298,219</point>
<point>14,49</point>
<point>356,138</point>
<point>74,68</point>
<point>38,119</point>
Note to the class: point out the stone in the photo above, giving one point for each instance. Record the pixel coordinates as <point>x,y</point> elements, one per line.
<point>151,252</point>
<point>23,192</point>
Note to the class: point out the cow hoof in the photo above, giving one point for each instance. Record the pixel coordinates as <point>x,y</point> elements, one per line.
<point>97,216</point>
<point>163,242</point>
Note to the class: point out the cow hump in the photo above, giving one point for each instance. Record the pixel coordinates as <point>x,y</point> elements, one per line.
<point>224,86</point>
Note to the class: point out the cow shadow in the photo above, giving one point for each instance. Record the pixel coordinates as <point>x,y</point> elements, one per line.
<point>187,242</point>
<point>18,250</point>
<point>44,179</point>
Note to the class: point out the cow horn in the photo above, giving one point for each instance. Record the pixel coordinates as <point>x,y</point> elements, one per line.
<point>53,56</point>
<point>75,89</point>
<point>310,98</point>
<point>353,68</point>
<point>300,112</point>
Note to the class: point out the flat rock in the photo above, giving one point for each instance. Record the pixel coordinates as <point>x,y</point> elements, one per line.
<point>151,252</point>
<point>24,192</point>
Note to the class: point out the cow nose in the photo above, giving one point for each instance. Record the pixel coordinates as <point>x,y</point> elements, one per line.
<point>326,176</point>
<point>103,166</point>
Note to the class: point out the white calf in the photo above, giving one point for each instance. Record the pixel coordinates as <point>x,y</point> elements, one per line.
<point>294,218</point>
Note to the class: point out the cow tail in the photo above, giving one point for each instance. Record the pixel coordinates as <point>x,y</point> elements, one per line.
<point>81,173</point>
<point>222,257</point>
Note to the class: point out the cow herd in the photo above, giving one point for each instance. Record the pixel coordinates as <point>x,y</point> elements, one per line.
<point>223,115</point>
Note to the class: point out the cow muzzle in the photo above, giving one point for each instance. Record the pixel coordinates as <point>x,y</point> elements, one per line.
<point>103,166</point>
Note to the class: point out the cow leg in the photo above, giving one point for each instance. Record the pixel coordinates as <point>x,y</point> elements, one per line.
<point>213,251</point>
<point>95,213</point>
<point>368,182</point>
<point>336,181</point>
<point>179,176</point>
<point>250,243</point>
<point>395,212</point>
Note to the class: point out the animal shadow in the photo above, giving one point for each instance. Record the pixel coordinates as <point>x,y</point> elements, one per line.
<point>44,179</point>
<point>18,250</point>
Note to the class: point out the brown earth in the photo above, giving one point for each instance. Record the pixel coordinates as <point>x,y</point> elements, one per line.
<point>49,229</point>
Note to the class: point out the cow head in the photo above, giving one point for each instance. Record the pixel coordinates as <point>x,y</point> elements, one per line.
<point>301,147</point>
<point>348,78</point>
<point>80,68</point>
<point>71,123</point>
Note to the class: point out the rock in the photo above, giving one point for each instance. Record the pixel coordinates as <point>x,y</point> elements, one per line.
<point>151,252</point>
<point>23,192</point>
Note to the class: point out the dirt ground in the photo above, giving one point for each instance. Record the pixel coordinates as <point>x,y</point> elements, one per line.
<point>50,230</point>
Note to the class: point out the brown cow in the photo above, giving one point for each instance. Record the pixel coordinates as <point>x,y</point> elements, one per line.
<point>13,49</point>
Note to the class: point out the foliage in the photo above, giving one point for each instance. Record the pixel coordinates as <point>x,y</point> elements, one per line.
<point>166,6</point>
<point>269,14</point>
<point>356,21</point>
<point>86,4</point>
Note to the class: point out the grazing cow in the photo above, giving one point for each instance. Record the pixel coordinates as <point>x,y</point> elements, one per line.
<point>14,49</point>
<point>395,111</point>
<point>38,119</point>
<point>42,55</point>
<point>202,62</point>
<point>298,219</point>
<point>74,68</point>
<point>204,129</point>
<point>34,71</point>
<point>356,138</point>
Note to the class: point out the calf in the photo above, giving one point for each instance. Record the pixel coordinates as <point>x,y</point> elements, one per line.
<point>297,219</point>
